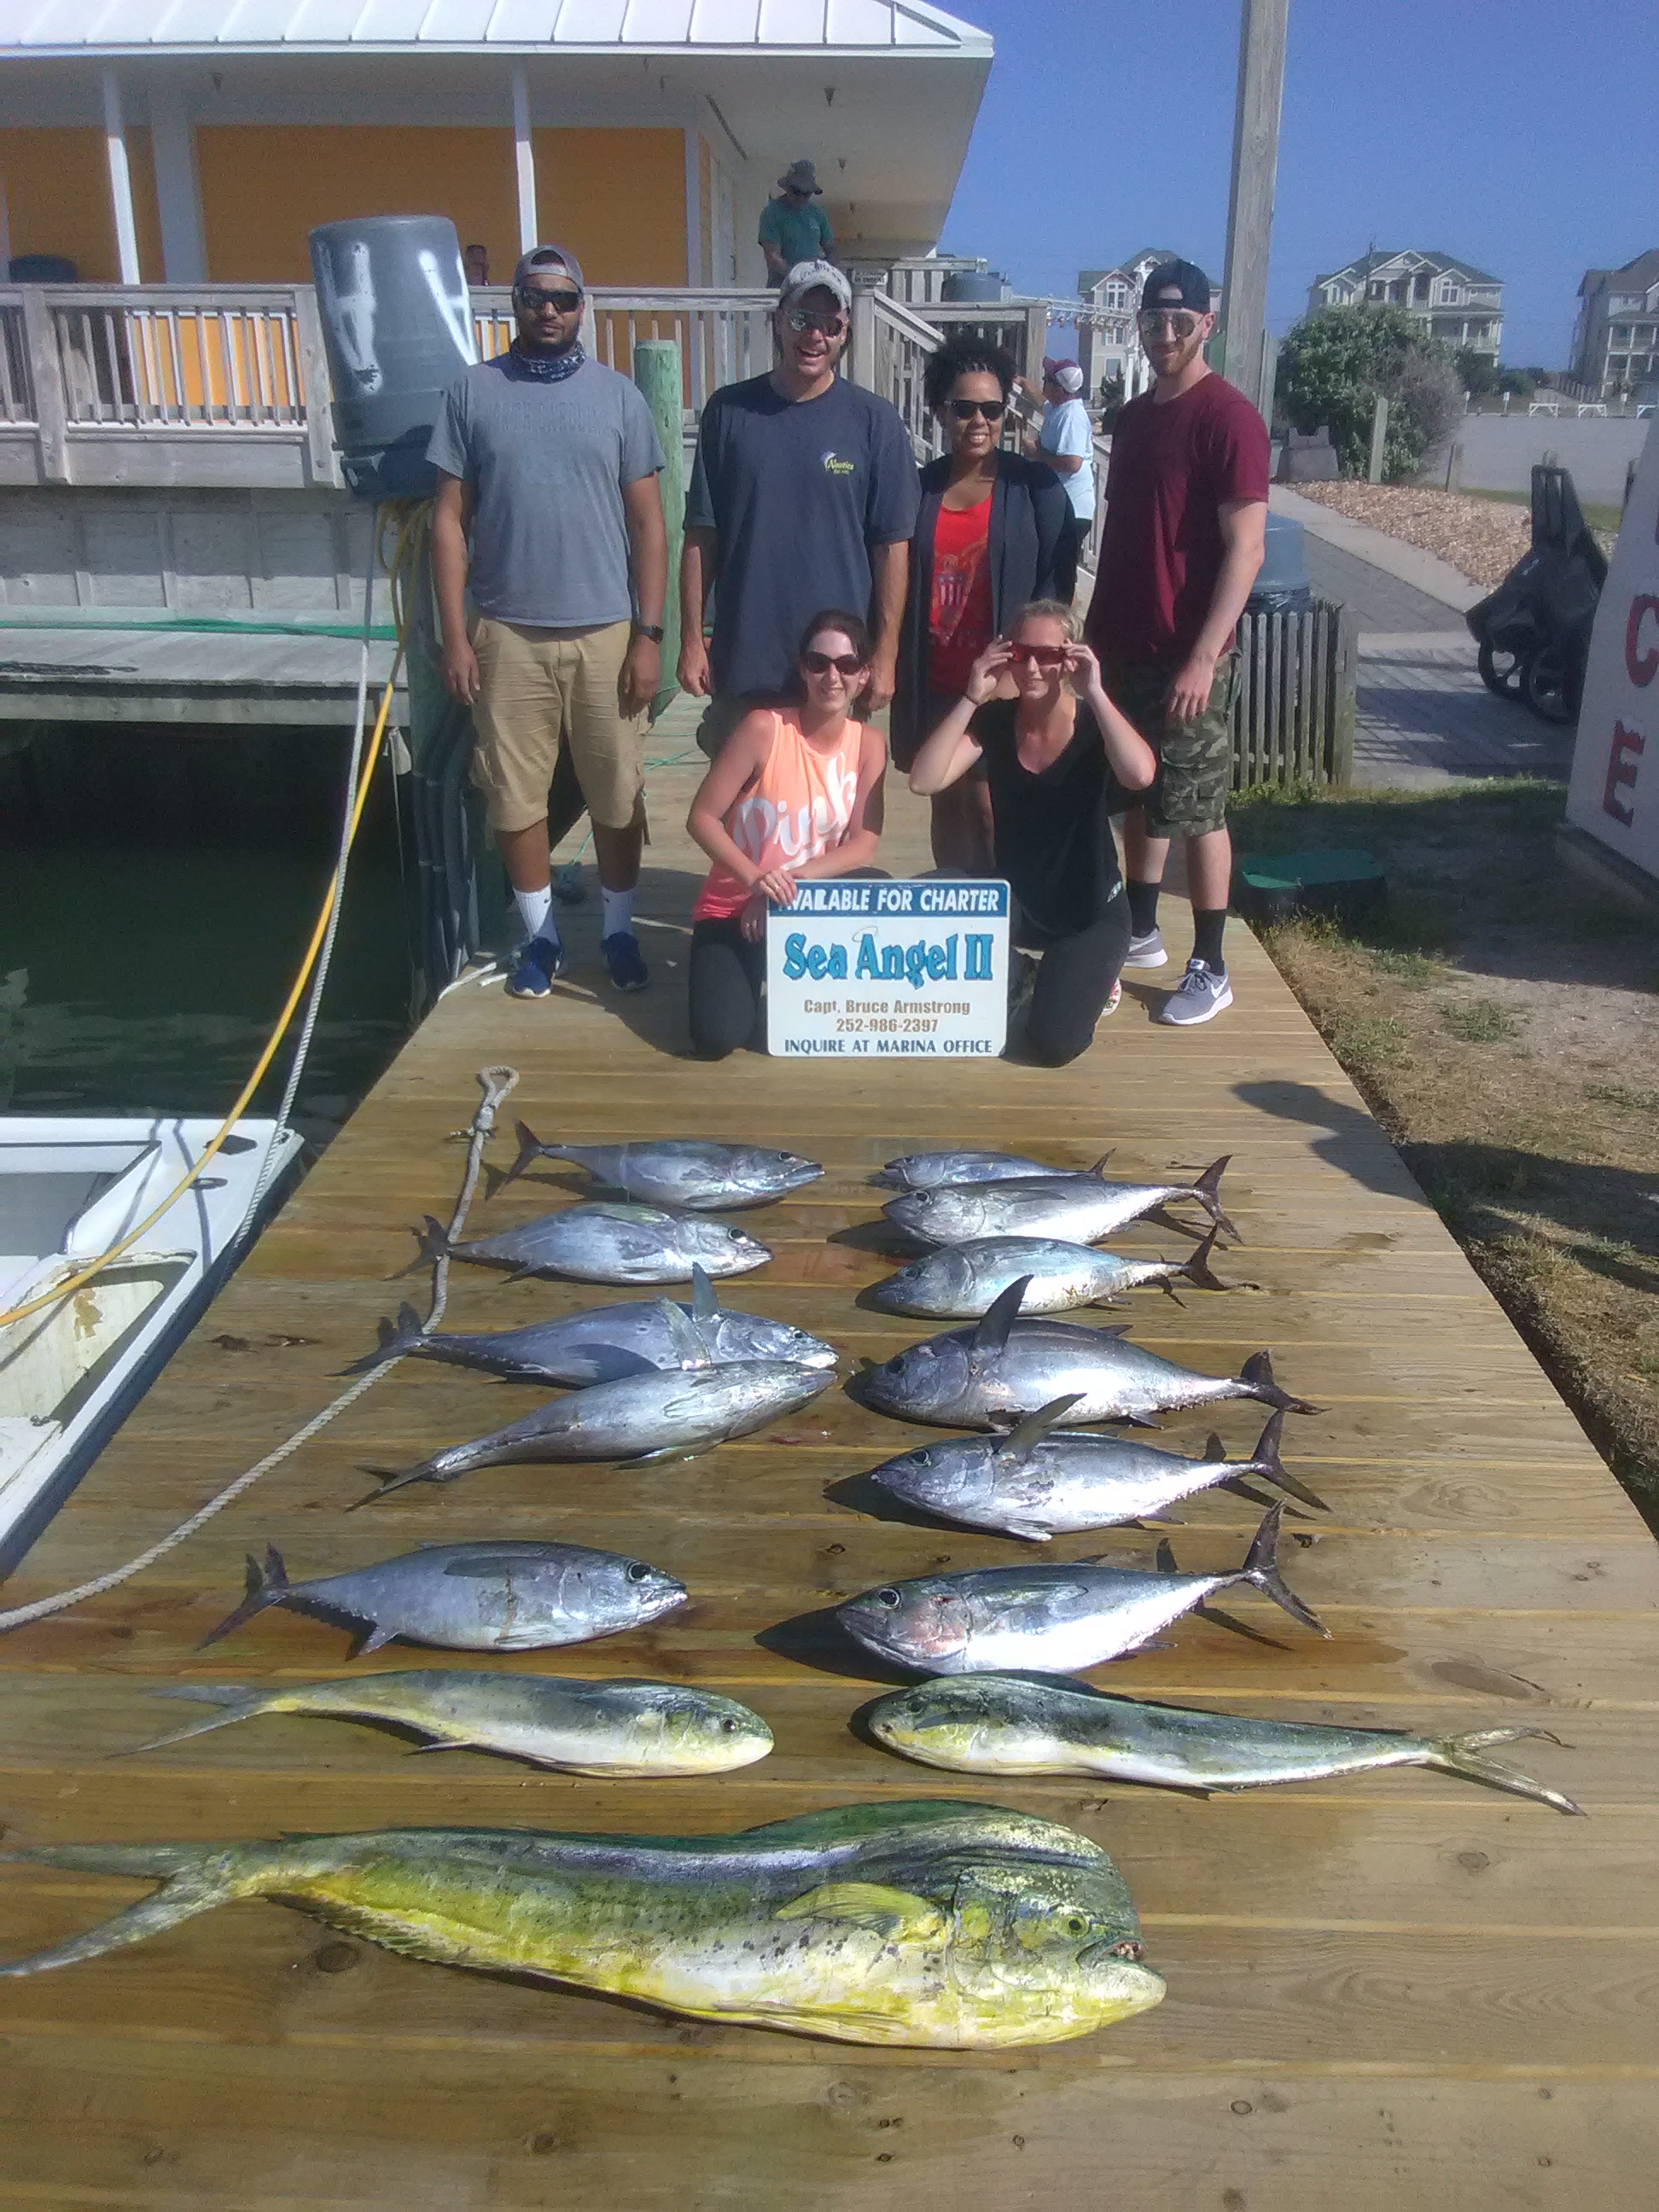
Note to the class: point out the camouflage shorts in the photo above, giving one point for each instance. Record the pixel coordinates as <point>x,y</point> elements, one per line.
<point>1188,795</point>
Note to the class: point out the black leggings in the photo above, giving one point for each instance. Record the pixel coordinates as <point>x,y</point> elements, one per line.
<point>1074,983</point>
<point>726,980</point>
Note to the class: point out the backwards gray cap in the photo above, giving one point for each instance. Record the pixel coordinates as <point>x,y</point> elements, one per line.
<point>544,257</point>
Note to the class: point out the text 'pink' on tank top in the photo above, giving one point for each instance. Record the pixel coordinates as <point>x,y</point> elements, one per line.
<point>797,807</point>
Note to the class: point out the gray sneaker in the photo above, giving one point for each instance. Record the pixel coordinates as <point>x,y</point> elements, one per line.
<point>1201,994</point>
<point>1147,951</point>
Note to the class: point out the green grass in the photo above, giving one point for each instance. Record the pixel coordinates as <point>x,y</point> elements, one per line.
<point>1480,1021</point>
<point>1622,1094</point>
<point>1597,512</point>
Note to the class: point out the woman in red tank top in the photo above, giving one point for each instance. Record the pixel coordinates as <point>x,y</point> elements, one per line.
<point>795,793</point>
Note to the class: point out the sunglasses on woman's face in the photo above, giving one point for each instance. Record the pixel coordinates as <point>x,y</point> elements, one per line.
<point>965,409</point>
<point>820,664</point>
<point>1037,656</point>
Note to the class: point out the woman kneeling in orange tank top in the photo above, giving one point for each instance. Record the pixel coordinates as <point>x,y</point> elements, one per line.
<point>796,792</point>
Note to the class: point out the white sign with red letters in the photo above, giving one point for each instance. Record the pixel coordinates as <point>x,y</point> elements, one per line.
<point>1614,792</point>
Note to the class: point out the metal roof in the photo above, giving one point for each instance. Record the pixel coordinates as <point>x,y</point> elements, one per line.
<point>93,28</point>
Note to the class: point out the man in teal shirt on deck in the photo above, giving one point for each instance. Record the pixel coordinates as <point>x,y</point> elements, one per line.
<point>795,228</point>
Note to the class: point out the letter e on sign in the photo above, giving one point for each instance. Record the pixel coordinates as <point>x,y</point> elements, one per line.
<point>1623,756</point>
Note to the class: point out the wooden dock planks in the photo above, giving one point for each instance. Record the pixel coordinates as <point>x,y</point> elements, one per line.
<point>1397,1989</point>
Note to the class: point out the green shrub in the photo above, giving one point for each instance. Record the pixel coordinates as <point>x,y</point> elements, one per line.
<point>1334,365</point>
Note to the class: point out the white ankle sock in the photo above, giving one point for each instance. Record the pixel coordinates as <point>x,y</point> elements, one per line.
<point>616,911</point>
<point>535,912</point>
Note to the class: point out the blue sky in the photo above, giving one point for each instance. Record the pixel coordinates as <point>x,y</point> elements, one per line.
<point>1520,135</point>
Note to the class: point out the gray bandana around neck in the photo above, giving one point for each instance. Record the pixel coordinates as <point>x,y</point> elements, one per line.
<point>550,368</point>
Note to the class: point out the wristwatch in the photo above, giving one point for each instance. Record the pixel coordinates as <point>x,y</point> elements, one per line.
<point>652,630</point>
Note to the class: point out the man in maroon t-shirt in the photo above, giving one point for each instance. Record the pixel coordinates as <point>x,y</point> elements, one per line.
<point>1186,518</point>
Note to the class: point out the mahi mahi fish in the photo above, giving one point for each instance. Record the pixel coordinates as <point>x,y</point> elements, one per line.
<point>1049,1620</point>
<point>1005,1367</point>
<point>604,1241</point>
<point>928,1170</point>
<point>509,1596</point>
<point>1016,1724</point>
<point>665,1414</point>
<point>678,1171</point>
<point>1040,1482</point>
<point>620,1727</point>
<point>949,1926</point>
<point>1082,1208</point>
<point>962,1282</point>
<point>603,1343</point>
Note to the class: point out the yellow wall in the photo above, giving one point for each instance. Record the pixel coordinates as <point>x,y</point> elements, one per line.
<point>617,198</point>
<point>705,212</point>
<point>58,201</point>
<point>266,186</point>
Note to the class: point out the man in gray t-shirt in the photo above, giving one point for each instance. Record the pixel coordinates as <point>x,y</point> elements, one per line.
<point>548,462</point>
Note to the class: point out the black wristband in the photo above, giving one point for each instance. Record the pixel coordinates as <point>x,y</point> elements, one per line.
<point>652,630</point>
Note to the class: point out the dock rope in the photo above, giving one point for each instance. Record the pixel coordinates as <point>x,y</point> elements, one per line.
<point>496,1083</point>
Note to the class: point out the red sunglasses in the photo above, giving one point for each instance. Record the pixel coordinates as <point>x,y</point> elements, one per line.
<point>1039,656</point>
<point>820,664</point>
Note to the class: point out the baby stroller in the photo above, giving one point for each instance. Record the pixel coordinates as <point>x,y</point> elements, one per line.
<point>1534,631</point>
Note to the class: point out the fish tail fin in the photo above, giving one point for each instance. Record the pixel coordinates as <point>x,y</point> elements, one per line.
<point>1260,1568</point>
<point>1197,1268</point>
<point>1207,1191</point>
<point>396,1478</point>
<point>1257,1375</point>
<point>1460,1755</point>
<point>433,1241</point>
<point>397,1337</point>
<point>1265,1462</point>
<point>267,1584</point>
<point>1099,1166</point>
<point>530,1148</point>
<point>239,1705</point>
<point>195,1877</point>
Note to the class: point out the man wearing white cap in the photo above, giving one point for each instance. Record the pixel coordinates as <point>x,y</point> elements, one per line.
<point>1066,440</point>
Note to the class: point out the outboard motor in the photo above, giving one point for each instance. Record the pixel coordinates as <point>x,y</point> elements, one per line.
<point>397,325</point>
<point>1534,631</point>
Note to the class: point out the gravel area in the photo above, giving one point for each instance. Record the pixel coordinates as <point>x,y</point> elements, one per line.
<point>1482,538</point>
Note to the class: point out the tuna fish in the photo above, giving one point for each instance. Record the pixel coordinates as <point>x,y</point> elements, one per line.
<point>950,1926</point>
<point>665,1414</point>
<point>1048,1620</point>
<point>1012,1724</point>
<point>959,1281</point>
<point>1006,1368</point>
<point>1039,1483</point>
<point>604,1241</point>
<point>510,1596</point>
<point>619,1727</point>
<point>929,1170</point>
<point>678,1171</point>
<point>605,1343</point>
<point>1082,1208</point>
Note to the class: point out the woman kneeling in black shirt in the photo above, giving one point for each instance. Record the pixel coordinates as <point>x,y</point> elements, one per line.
<point>1054,756</point>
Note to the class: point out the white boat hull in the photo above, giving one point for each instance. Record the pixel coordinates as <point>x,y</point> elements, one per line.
<point>71,1187</point>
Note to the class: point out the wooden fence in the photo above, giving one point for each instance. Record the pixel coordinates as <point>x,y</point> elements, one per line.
<point>1293,715</point>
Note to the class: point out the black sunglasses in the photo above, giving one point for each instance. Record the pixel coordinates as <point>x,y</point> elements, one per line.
<point>991,410</point>
<point>533,303</point>
<point>820,664</point>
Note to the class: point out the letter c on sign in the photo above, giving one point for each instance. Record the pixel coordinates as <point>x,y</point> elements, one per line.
<point>1642,665</point>
<point>1623,755</point>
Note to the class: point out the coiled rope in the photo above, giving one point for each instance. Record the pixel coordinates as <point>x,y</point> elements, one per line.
<point>495,1083</point>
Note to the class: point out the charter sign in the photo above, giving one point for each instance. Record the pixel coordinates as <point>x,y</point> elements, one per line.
<point>884,970</point>
<point>1614,792</point>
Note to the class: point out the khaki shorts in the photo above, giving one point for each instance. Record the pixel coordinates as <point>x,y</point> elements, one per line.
<point>535,686</point>
<point>1188,795</point>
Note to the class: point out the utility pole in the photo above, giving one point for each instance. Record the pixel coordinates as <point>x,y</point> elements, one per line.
<point>1250,202</point>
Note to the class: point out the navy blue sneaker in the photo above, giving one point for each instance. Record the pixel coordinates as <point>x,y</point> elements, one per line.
<point>625,961</point>
<point>534,966</point>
